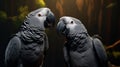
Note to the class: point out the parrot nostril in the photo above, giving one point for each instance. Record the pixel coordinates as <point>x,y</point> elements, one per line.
<point>39,15</point>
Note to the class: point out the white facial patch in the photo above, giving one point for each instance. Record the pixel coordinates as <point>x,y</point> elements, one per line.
<point>68,19</point>
<point>71,26</point>
<point>42,18</point>
<point>43,12</point>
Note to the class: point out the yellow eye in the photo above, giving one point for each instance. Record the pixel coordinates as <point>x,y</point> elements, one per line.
<point>39,15</point>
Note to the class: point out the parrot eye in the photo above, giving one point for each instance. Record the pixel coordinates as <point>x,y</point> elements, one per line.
<point>71,22</point>
<point>39,15</point>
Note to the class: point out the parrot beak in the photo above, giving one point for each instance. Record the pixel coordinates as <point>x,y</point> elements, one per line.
<point>50,20</point>
<point>61,28</point>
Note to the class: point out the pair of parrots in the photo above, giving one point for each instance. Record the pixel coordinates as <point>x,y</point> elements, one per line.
<point>27,48</point>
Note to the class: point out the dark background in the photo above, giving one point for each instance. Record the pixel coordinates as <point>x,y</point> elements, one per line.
<point>99,16</point>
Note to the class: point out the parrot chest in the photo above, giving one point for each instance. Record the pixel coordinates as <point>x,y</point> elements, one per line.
<point>83,59</point>
<point>32,52</point>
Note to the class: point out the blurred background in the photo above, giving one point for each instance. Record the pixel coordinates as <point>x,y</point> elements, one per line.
<point>100,17</point>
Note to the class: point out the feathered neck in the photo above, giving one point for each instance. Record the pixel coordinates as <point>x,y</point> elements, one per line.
<point>31,34</point>
<point>29,37</point>
<point>78,42</point>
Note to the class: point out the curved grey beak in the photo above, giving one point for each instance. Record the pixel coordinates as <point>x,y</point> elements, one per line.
<point>61,27</point>
<point>50,20</point>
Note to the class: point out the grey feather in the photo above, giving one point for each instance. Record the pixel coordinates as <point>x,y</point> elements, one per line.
<point>29,45</point>
<point>80,50</point>
<point>13,52</point>
<point>100,52</point>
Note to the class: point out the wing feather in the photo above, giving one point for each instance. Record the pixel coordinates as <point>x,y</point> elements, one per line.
<point>100,52</point>
<point>12,52</point>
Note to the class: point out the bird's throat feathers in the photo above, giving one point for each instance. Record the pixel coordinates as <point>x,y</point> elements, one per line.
<point>77,41</point>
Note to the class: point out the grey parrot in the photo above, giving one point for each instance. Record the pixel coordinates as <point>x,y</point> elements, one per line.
<point>28,46</point>
<point>80,49</point>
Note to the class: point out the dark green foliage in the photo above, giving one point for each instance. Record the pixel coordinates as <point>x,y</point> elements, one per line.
<point>3,16</point>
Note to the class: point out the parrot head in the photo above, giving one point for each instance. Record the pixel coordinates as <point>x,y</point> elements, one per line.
<point>41,18</point>
<point>70,26</point>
